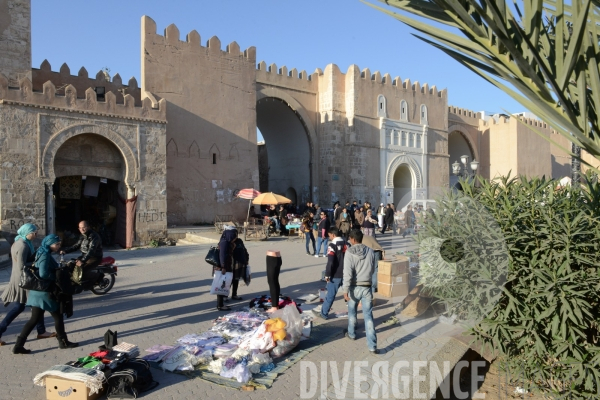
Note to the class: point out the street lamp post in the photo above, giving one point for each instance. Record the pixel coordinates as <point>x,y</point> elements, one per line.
<point>463,170</point>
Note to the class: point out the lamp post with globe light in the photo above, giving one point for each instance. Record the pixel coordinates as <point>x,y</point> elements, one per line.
<point>463,170</point>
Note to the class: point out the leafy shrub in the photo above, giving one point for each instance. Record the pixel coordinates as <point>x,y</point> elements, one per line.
<point>154,243</point>
<point>544,320</point>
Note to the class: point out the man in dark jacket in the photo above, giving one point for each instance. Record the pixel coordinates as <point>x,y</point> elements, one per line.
<point>388,219</point>
<point>90,245</point>
<point>322,234</point>
<point>334,272</point>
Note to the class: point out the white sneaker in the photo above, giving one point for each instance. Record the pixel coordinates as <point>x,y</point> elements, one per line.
<point>316,255</point>
<point>318,308</point>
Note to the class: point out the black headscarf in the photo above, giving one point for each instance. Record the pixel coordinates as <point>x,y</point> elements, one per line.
<point>225,245</point>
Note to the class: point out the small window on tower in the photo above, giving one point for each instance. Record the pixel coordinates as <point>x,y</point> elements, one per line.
<point>100,92</point>
<point>214,158</point>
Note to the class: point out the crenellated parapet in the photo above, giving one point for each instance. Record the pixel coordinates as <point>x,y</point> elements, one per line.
<point>82,81</point>
<point>68,100</point>
<point>282,76</point>
<point>464,113</point>
<point>192,41</point>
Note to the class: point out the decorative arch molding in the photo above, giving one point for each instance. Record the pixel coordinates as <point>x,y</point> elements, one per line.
<point>413,166</point>
<point>460,129</point>
<point>58,139</point>
<point>295,105</point>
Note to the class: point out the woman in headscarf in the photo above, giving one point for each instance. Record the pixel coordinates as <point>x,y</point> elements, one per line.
<point>44,301</point>
<point>22,252</point>
<point>226,247</point>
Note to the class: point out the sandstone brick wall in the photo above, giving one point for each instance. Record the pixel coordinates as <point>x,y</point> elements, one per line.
<point>211,134</point>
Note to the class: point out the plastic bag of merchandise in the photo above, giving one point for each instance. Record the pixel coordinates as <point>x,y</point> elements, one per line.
<point>176,358</point>
<point>205,357</point>
<point>293,328</point>
<point>240,372</point>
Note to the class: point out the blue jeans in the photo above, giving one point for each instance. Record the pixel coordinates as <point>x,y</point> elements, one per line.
<point>365,296</point>
<point>310,237</point>
<point>374,278</point>
<point>14,312</point>
<point>276,220</point>
<point>332,288</point>
<point>321,241</point>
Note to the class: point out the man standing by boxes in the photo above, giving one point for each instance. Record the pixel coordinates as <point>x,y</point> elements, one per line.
<point>359,264</point>
<point>334,271</point>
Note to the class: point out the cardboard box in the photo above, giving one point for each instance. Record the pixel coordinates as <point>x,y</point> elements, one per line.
<point>61,388</point>
<point>389,279</point>
<point>393,289</point>
<point>393,267</point>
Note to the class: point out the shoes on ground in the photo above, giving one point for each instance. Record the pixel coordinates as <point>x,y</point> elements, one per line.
<point>347,335</point>
<point>376,351</point>
<point>2,343</point>
<point>226,308</point>
<point>307,253</point>
<point>318,314</point>
<point>236,297</point>
<point>316,255</point>
<point>46,335</point>
<point>227,300</point>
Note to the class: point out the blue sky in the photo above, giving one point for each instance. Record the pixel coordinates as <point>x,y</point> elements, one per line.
<point>299,34</point>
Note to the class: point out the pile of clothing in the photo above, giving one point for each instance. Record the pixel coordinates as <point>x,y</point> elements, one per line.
<point>264,303</point>
<point>238,345</point>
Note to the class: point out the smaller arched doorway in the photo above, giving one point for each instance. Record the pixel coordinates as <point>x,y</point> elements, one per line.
<point>90,173</point>
<point>403,186</point>
<point>458,146</point>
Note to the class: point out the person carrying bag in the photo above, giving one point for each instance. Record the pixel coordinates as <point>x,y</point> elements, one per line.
<point>221,288</point>
<point>44,301</point>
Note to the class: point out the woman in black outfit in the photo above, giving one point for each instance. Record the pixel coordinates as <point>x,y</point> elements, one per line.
<point>226,246</point>
<point>273,270</point>
<point>240,263</point>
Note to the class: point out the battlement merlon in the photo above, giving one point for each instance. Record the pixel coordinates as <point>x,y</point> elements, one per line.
<point>172,37</point>
<point>464,113</point>
<point>24,95</point>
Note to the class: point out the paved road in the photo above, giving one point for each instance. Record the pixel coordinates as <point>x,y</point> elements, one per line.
<point>162,294</point>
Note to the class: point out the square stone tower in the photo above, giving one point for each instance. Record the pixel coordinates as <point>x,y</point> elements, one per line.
<point>15,40</point>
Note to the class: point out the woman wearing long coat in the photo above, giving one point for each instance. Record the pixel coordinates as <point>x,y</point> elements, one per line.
<point>240,264</point>
<point>41,302</point>
<point>22,252</point>
<point>226,246</point>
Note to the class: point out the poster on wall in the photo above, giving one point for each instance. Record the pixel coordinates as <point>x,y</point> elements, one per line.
<point>92,185</point>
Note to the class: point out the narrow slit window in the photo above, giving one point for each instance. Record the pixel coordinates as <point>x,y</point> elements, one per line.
<point>214,160</point>
<point>404,139</point>
<point>411,140</point>
<point>396,134</point>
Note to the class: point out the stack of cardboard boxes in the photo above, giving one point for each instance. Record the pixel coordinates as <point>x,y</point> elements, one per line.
<point>393,277</point>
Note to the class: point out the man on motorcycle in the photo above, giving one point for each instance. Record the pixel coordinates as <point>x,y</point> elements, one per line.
<point>90,244</point>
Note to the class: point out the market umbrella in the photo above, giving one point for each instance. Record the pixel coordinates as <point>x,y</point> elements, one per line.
<point>271,198</point>
<point>248,194</point>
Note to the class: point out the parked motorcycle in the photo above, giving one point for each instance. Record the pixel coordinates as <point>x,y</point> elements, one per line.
<point>106,271</point>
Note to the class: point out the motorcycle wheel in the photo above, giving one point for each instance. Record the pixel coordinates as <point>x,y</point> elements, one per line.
<point>104,286</point>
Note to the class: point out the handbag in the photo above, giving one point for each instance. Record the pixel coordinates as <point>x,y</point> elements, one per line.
<point>31,280</point>
<point>213,257</point>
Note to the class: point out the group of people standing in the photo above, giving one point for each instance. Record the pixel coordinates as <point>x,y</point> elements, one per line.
<point>23,253</point>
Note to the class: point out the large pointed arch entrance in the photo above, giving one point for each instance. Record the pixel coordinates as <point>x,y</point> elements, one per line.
<point>285,164</point>
<point>89,180</point>
<point>404,181</point>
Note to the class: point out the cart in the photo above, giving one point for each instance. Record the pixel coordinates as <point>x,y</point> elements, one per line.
<point>222,220</point>
<point>257,228</point>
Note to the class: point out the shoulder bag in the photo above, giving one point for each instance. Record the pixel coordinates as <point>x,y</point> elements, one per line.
<point>213,257</point>
<point>31,280</point>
